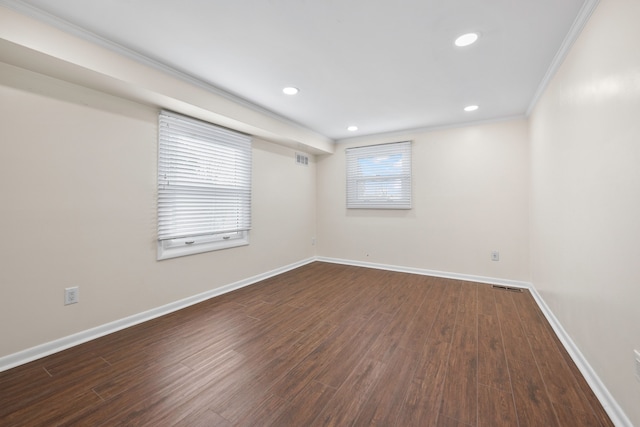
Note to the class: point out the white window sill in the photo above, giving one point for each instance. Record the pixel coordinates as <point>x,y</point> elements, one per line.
<point>175,249</point>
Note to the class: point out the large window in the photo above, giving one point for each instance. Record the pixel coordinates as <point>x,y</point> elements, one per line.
<point>379,176</point>
<point>204,187</point>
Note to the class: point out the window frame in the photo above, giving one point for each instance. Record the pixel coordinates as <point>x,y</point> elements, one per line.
<point>211,240</point>
<point>357,177</point>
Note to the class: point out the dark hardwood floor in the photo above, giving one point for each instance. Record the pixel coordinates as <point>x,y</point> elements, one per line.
<point>324,344</point>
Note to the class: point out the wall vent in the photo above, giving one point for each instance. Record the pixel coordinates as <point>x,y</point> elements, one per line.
<point>506,288</point>
<point>302,159</point>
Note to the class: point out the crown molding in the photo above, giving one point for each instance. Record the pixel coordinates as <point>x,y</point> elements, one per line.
<point>576,28</point>
<point>402,133</point>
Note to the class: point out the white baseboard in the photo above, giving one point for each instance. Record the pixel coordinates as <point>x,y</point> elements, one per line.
<point>46,349</point>
<point>424,272</point>
<point>615,412</point>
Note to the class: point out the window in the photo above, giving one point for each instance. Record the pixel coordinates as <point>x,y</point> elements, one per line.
<point>379,176</point>
<point>204,187</point>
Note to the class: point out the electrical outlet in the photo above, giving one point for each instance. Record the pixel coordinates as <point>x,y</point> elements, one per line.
<point>71,295</point>
<point>313,241</point>
<point>636,355</point>
<point>495,256</point>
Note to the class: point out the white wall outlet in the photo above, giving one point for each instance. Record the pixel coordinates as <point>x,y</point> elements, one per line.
<point>313,241</point>
<point>71,295</point>
<point>636,355</point>
<point>495,256</point>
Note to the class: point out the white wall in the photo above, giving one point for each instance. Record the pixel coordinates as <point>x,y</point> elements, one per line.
<point>470,196</point>
<point>78,190</point>
<point>585,151</point>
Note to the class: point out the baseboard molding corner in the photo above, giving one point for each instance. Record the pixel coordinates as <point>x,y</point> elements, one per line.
<point>25,356</point>
<point>615,412</point>
<point>426,272</point>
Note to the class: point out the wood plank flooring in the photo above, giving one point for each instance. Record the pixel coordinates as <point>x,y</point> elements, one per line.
<point>322,345</point>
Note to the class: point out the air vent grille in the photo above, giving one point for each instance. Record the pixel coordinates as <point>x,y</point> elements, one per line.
<point>302,159</point>
<point>506,288</point>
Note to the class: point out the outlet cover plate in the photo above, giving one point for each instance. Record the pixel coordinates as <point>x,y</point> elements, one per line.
<point>636,355</point>
<point>71,295</point>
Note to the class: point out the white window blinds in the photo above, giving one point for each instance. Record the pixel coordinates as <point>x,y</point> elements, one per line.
<point>379,176</point>
<point>204,179</point>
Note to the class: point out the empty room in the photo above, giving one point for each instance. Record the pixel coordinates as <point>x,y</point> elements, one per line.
<point>320,213</point>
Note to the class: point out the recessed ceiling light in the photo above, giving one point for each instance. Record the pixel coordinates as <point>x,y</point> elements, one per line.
<point>352,128</point>
<point>467,39</point>
<point>471,108</point>
<point>290,90</point>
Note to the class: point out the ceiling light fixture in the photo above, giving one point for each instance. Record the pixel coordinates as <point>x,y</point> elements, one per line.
<point>467,39</point>
<point>352,128</point>
<point>290,90</point>
<point>469,108</point>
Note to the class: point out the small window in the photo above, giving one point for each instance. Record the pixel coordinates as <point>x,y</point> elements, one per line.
<point>204,187</point>
<point>379,176</point>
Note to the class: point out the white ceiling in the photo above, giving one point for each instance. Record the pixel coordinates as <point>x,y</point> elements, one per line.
<point>382,65</point>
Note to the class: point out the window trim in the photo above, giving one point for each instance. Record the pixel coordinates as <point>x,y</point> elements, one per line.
<point>354,179</point>
<point>172,247</point>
